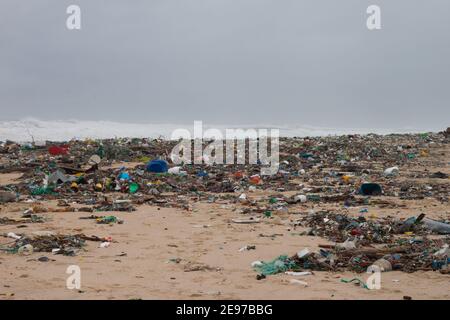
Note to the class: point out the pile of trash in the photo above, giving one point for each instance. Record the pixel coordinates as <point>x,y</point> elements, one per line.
<point>341,228</point>
<point>336,168</point>
<point>405,255</point>
<point>362,245</point>
<point>113,175</point>
<point>67,245</point>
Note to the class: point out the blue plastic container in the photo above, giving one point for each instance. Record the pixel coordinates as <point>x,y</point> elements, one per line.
<point>157,166</point>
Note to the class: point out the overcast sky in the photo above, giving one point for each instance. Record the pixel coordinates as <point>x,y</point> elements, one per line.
<point>296,62</point>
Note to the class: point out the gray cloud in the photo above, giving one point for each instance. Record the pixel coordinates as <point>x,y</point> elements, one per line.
<point>228,62</point>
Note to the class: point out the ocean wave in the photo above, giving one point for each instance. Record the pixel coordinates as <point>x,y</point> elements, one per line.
<point>63,130</point>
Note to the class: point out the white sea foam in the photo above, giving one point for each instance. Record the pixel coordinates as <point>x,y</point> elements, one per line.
<point>64,130</point>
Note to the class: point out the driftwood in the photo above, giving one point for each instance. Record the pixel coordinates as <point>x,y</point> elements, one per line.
<point>368,251</point>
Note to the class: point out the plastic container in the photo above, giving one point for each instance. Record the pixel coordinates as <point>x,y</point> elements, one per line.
<point>390,172</point>
<point>436,226</point>
<point>25,250</point>
<point>256,179</point>
<point>174,170</point>
<point>157,166</point>
<point>370,189</point>
<point>58,151</point>
<point>300,198</point>
<point>134,187</point>
<point>381,265</point>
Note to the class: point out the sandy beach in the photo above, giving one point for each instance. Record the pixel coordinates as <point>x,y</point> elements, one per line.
<point>194,253</point>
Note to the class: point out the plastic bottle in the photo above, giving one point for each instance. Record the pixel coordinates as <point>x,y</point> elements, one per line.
<point>436,226</point>
<point>13,235</point>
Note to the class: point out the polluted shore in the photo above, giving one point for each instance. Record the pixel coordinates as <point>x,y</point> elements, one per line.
<point>345,217</point>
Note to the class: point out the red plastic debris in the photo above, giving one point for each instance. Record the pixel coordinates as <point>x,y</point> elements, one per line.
<point>58,150</point>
